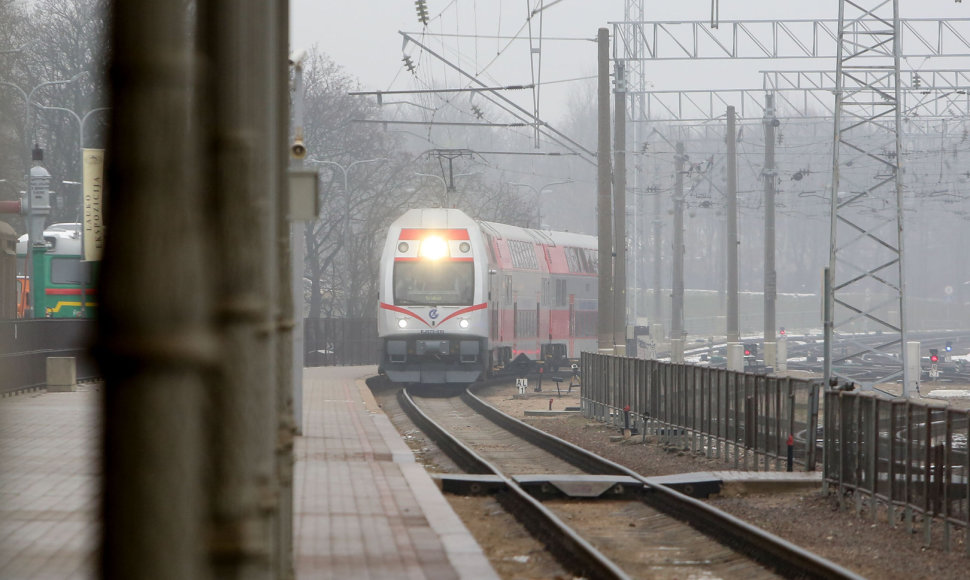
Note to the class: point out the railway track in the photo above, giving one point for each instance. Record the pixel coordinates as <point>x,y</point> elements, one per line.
<point>599,519</point>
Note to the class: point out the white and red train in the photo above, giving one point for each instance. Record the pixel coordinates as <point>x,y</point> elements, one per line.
<point>459,298</point>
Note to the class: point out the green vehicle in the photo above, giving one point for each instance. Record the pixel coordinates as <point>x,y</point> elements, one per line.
<point>55,290</point>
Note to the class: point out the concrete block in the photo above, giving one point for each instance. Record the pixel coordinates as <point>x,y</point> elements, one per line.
<point>61,374</point>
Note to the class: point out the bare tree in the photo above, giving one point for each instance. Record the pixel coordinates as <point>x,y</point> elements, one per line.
<point>66,38</point>
<point>13,149</point>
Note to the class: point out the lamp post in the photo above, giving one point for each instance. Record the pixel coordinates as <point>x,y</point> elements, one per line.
<point>80,123</point>
<point>539,193</point>
<point>444,184</point>
<point>28,97</point>
<point>346,171</point>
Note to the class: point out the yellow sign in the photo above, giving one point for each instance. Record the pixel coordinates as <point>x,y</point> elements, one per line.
<point>92,167</point>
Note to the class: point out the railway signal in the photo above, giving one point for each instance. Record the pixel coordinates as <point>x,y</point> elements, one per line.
<point>751,349</point>
<point>934,355</point>
<point>949,346</point>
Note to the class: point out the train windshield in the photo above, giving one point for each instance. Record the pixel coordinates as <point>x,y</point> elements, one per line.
<point>434,283</point>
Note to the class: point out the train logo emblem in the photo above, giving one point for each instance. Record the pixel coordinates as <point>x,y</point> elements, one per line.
<point>433,314</point>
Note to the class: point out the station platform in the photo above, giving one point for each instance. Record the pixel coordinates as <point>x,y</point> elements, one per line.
<point>363,507</point>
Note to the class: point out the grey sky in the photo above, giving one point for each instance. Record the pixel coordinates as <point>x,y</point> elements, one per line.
<point>363,37</point>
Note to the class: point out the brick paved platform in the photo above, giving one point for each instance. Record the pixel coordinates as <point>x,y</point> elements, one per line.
<point>49,484</point>
<point>363,507</point>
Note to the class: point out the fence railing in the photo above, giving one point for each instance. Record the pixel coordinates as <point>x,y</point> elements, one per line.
<point>742,418</point>
<point>910,457</point>
<point>25,346</point>
<point>341,341</point>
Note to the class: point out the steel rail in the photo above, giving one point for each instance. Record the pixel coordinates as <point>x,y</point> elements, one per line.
<point>569,548</point>
<point>768,549</point>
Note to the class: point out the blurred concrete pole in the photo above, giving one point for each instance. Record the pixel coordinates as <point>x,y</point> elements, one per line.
<point>619,212</point>
<point>733,316</point>
<point>771,286</point>
<point>657,250</point>
<point>155,340</point>
<point>677,261</point>
<point>289,367</point>
<point>235,38</point>
<point>604,196</point>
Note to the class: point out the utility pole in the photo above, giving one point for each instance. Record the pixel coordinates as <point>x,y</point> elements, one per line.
<point>677,279</point>
<point>771,284</point>
<point>657,254</point>
<point>733,316</point>
<point>619,212</point>
<point>604,319</point>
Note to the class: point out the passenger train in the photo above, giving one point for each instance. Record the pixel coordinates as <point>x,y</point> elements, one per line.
<point>459,298</point>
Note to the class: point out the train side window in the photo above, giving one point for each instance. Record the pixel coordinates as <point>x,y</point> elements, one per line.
<point>508,289</point>
<point>66,271</point>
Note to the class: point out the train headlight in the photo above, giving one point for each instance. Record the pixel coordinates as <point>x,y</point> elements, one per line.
<point>463,323</point>
<point>434,248</point>
<point>464,247</point>
<point>402,323</point>
<point>403,247</point>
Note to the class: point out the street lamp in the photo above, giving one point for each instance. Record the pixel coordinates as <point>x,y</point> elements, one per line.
<point>345,171</point>
<point>80,123</point>
<point>444,184</point>
<point>80,120</point>
<point>539,193</point>
<point>28,97</point>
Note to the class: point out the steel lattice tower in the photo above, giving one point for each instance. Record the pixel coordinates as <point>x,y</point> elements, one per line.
<point>865,295</point>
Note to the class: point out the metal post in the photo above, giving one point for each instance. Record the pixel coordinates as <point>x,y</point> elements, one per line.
<point>771,287</point>
<point>297,254</point>
<point>733,316</point>
<point>80,123</point>
<point>619,212</point>
<point>826,327</point>
<point>604,205</point>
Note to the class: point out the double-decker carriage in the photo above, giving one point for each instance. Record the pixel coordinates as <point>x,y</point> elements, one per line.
<point>459,298</point>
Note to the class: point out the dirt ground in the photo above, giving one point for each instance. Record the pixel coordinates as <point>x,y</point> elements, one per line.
<point>814,521</point>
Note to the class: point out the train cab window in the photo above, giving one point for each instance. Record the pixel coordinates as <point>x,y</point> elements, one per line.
<point>434,283</point>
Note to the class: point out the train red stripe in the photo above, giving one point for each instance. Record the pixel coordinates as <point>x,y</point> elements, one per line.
<point>419,234</point>
<point>403,311</point>
<point>464,311</point>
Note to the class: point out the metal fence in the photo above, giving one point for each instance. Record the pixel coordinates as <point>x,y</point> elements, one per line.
<point>341,341</point>
<point>909,457</point>
<point>26,344</point>
<point>743,418</point>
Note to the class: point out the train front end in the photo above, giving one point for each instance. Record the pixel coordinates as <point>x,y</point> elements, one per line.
<point>432,311</point>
